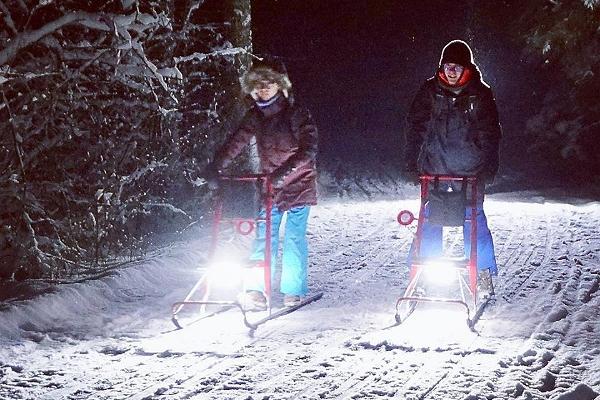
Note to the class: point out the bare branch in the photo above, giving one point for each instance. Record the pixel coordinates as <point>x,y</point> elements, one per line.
<point>37,253</point>
<point>23,6</point>
<point>8,19</point>
<point>193,8</point>
<point>31,158</point>
<point>90,20</point>
<point>24,39</point>
<point>140,172</point>
<point>202,56</point>
<point>32,13</point>
<point>171,207</point>
<point>84,66</point>
<point>16,138</point>
<point>25,77</point>
<point>140,52</point>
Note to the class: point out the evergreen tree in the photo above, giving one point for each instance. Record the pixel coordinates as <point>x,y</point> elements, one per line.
<point>561,38</point>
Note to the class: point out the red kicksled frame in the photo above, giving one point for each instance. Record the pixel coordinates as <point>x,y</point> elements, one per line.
<point>406,304</point>
<point>243,226</point>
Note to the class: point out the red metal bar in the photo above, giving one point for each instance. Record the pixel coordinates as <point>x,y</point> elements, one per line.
<point>267,221</point>
<point>268,228</point>
<point>417,247</point>
<point>204,302</point>
<point>417,265</point>
<point>412,283</point>
<point>268,250</point>
<point>246,177</point>
<point>473,255</point>
<point>434,300</point>
<point>212,249</point>
<point>216,225</point>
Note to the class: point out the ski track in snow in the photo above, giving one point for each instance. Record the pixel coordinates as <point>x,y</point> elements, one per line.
<point>540,338</point>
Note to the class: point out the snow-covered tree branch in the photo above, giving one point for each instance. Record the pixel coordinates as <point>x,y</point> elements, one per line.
<point>96,97</point>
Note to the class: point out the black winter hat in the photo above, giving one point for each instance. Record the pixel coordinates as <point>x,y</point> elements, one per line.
<point>457,52</point>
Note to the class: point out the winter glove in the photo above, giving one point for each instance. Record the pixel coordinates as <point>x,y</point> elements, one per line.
<point>279,175</point>
<point>277,180</point>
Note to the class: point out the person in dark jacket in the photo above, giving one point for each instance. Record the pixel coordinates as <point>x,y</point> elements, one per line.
<point>453,129</point>
<point>286,138</point>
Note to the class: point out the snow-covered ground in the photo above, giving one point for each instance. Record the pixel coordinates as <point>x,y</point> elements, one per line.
<point>112,338</point>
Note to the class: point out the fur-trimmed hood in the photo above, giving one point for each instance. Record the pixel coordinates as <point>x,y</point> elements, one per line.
<point>264,70</point>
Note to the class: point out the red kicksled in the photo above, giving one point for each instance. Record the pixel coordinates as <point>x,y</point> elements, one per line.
<point>464,270</point>
<point>200,294</point>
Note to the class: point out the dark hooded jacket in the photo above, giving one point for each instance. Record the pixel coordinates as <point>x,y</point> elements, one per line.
<point>453,130</point>
<point>286,138</point>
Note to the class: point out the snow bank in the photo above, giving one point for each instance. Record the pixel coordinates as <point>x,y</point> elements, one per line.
<point>105,306</point>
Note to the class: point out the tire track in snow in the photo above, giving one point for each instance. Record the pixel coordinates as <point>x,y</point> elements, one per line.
<point>547,362</point>
<point>382,254</point>
<point>379,247</point>
<point>357,370</point>
<point>527,263</point>
<point>542,253</point>
<point>219,365</point>
<point>198,375</point>
<point>184,370</point>
<point>361,379</point>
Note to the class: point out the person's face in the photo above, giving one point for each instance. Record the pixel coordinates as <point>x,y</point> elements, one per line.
<point>453,72</point>
<point>265,90</point>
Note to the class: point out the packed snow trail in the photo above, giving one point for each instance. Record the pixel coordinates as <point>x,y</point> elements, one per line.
<point>112,339</point>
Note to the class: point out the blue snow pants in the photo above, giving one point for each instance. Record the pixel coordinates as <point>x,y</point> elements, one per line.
<point>431,240</point>
<point>294,264</point>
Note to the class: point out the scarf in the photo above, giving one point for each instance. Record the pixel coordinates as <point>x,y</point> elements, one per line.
<point>464,79</point>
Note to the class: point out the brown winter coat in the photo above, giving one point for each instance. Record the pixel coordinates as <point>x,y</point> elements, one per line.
<point>286,138</point>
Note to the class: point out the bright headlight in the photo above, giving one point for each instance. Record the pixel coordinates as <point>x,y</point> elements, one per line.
<point>225,271</point>
<point>439,272</point>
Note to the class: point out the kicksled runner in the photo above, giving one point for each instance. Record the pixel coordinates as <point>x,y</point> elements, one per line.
<point>236,213</point>
<point>447,201</point>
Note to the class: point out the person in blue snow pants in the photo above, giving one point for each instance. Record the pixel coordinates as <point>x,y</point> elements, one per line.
<point>294,263</point>
<point>286,141</point>
<point>453,129</point>
<point>432,237</point>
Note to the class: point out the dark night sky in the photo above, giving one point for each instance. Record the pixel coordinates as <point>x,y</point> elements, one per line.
<point>357,65</point>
